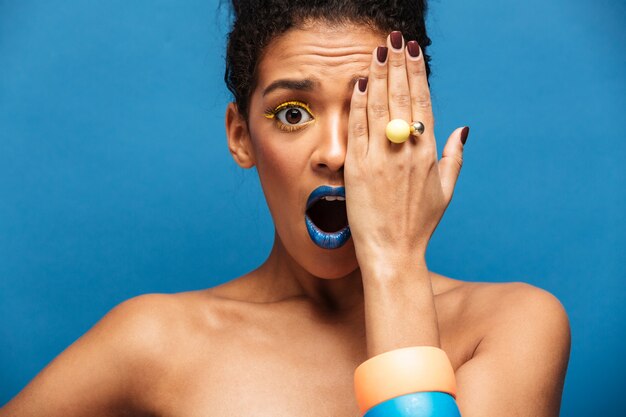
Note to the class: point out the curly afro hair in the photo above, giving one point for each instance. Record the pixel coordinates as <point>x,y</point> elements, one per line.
<point>257,22</point>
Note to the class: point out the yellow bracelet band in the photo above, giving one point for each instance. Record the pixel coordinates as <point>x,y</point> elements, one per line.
<point>403,371</point>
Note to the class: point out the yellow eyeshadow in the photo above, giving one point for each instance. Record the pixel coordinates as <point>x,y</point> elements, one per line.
<point>271,113</point>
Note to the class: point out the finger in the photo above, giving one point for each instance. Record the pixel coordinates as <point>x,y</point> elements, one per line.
<point>377,106</point>
<point>451,161</point>
<point>421,108</point>
<point>357,120</point>
<point>399,95</point>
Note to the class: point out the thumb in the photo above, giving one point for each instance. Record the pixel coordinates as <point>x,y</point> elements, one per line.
<point>451,161</point>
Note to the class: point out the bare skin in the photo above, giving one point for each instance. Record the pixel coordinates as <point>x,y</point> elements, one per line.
<point>226,352</point>
<point>284,340</point>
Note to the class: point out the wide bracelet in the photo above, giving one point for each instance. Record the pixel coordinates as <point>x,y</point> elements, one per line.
<point>417,404</point>
<point>403,371</point>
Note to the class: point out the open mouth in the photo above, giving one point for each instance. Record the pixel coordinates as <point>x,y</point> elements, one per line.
<point>329,213</point>
<point>326,217</point>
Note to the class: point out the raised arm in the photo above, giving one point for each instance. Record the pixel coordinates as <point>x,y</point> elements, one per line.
<point>396,194</point>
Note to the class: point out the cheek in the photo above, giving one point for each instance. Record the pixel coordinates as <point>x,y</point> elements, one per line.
<point>277,161</point>
<point>281,169</point>
<point>279,157</point>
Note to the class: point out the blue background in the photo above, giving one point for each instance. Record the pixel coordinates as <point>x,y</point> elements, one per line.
<point>115,178</point>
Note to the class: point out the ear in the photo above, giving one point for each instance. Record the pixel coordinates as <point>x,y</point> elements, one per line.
<point>238,137</point>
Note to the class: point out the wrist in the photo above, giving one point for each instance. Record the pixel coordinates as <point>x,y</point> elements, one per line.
<point>393,268</point>
<point>405,381</point>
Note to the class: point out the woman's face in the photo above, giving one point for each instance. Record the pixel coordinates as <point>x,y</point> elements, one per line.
<point>299,131</point>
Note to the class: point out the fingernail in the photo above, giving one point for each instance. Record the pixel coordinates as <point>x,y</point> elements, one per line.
<point>381,54</point>
<point>396,39</point>
<point>464,134</point>
<point>362,84</point>
<point>414,48</point>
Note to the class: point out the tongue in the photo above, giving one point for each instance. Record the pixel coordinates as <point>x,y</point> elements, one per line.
<point>329,216</point>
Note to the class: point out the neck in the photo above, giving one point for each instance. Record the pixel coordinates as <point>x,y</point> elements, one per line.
<point>281,278</point>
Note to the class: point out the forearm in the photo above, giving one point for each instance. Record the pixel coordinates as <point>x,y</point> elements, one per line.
<point>399,307</point>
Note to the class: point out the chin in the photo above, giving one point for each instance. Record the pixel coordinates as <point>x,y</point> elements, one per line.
<point>330,274</point>
<point>331,263</point>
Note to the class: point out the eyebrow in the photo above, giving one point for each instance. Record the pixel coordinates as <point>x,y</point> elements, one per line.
<point>291,84</point>
<point>307,84</point>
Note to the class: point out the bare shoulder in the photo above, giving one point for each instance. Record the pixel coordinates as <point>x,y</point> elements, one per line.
<point>161,331</point>
<point>145,327</point>
<point>498,305</point>
<point>527,299</point>
<point>150,320</point>
<point>532,316</point>
<point>519,365</point>
<point>123,355</point>
<point>510,303</point>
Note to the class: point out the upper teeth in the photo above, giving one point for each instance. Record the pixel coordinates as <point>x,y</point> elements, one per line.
<point>333,198</point>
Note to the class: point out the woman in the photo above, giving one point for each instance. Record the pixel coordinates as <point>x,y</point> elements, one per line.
<point>316,85</point>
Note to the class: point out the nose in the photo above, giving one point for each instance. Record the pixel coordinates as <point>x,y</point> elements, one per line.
<point>331,146</point>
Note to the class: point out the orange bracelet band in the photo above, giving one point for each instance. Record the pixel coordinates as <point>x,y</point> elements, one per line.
<point>403,371</point>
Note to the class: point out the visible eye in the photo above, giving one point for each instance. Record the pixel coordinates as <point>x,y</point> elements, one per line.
<point>290,116</point>
<point>293,115</point>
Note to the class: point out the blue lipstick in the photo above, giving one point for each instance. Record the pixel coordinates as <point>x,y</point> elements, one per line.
<point>326,240</point>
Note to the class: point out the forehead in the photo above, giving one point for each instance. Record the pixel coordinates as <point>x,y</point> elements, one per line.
<point>330,54</point>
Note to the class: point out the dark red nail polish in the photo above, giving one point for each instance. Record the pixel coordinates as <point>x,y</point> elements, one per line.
<point>464,134</point>
<point>362,84</point>
<point>414,48</point>
<point>396,39</point>
<point>381,54</point>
